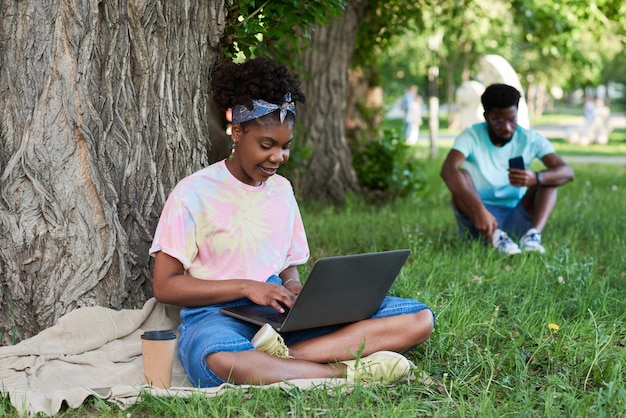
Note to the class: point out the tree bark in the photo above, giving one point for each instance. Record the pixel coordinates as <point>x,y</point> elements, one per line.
<point>329,173</point>
<point>104,108</point>
<point>364,112</point>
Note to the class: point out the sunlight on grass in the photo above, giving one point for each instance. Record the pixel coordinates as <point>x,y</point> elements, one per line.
<point>528,335</point>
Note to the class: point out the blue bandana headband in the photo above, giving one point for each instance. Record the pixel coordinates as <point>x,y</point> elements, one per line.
<point>261,108</point>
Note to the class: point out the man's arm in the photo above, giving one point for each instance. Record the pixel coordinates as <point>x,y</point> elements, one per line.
<point>557,171</point>
<point>464,195</point>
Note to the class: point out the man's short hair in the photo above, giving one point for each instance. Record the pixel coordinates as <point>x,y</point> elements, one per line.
<point>500,96</point>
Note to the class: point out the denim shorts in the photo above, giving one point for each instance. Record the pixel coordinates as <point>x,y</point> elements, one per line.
<point>205,330</point>
<point>514,221</point>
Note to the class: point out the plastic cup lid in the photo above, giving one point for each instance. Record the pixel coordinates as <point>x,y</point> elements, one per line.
<point>166,334</point>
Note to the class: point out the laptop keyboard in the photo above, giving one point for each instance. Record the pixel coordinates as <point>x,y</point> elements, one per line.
<point>276,317</point>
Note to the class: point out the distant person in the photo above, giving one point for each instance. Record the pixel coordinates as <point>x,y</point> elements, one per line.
<point>599,130</point>
<point>413,120</point>
<point>409,97</point>
<point>490,200</point>
<point>589,110</point>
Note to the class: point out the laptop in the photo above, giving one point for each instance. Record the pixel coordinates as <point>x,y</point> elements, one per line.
<point>339,290</point>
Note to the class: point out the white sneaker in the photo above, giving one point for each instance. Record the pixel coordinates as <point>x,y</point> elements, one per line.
<point>381,367</point>
<point>270,342</point>
<point>503,243</point>
<point>531,241</point>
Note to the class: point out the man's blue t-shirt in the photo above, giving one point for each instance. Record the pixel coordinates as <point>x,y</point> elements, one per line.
<point>488,165</point>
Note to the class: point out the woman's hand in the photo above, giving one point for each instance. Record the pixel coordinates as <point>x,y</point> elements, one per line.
<point>293,285</point>
<point>291,279</point>
<point>271,294</point>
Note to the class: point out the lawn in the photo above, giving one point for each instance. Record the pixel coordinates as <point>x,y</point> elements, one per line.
<point>527,335</point>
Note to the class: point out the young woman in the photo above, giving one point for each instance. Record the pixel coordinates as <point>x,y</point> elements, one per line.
<point>232,234</point>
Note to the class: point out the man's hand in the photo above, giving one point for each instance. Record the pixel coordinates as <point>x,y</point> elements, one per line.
<point>486,224</point>
<point>521,178</point>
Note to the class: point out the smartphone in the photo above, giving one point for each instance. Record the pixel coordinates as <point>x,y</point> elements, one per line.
<point>517,163</point>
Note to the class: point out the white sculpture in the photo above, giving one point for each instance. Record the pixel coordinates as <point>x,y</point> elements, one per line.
<point>496,69</point>
<point>468,101</point>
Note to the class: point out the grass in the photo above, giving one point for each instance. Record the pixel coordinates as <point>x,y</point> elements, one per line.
<point>496,350</point>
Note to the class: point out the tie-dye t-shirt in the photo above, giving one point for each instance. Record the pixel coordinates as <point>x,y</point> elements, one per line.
<point>220,228</point>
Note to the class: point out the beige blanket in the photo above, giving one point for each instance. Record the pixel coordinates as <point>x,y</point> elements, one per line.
<point>96,352</point>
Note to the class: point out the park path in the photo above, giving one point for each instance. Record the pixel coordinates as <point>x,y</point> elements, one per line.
<point>617,121</point>
<point>595,159</point>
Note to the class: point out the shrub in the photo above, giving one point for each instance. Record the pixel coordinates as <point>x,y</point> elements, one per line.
<point>386,168</point>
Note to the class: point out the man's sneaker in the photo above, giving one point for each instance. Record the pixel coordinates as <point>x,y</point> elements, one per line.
<point>270,342</point>
<point>503,243</point>
<point>531,241</point>
<point>381,367</point>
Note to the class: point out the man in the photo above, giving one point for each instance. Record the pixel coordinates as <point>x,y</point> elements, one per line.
<point>491,200</point>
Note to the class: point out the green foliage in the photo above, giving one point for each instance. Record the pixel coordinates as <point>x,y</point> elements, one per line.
<point>278,27</point>
<point>467,30</point>
<point>382,21</point>
<point>567,44</point>
<point>493,352</point>
<point>387,169</point>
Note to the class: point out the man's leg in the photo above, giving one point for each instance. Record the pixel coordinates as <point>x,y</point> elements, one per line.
<point>507,223</point>
<point>459,204</point>
<point>539,202</point>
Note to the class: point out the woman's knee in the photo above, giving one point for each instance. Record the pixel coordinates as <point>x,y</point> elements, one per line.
<point>423,325</point>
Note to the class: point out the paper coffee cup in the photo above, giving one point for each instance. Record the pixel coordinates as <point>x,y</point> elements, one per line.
<point>157,349</point>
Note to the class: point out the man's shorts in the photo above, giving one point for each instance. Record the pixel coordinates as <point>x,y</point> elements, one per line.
<point>514,221</point>
<point>205,330</point>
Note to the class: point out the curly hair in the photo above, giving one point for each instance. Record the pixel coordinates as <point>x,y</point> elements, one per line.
<point>259,78</point>
<point>500,96</point>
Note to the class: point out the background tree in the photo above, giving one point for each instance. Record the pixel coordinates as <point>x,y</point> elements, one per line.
<point>567,44</point>
<point>317,41</point>
<point>329,174</point>
<point>105,106</point>
<point>468,30</point>
<point>339,73</point>
<point>382,22</point>
<point>550,43</point>
<point>103,110</point>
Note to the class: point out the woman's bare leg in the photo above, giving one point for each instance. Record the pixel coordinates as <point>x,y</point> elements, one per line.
<point>256,367</point>
<point>394,333</point>
<point>318,357</point>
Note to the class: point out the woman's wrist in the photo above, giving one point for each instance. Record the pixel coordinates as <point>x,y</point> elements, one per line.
<point>293,279</point>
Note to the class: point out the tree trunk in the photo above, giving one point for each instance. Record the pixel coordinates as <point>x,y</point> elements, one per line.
<point>364,108</point>
<point>329,174</point>
<point>104,108</point>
